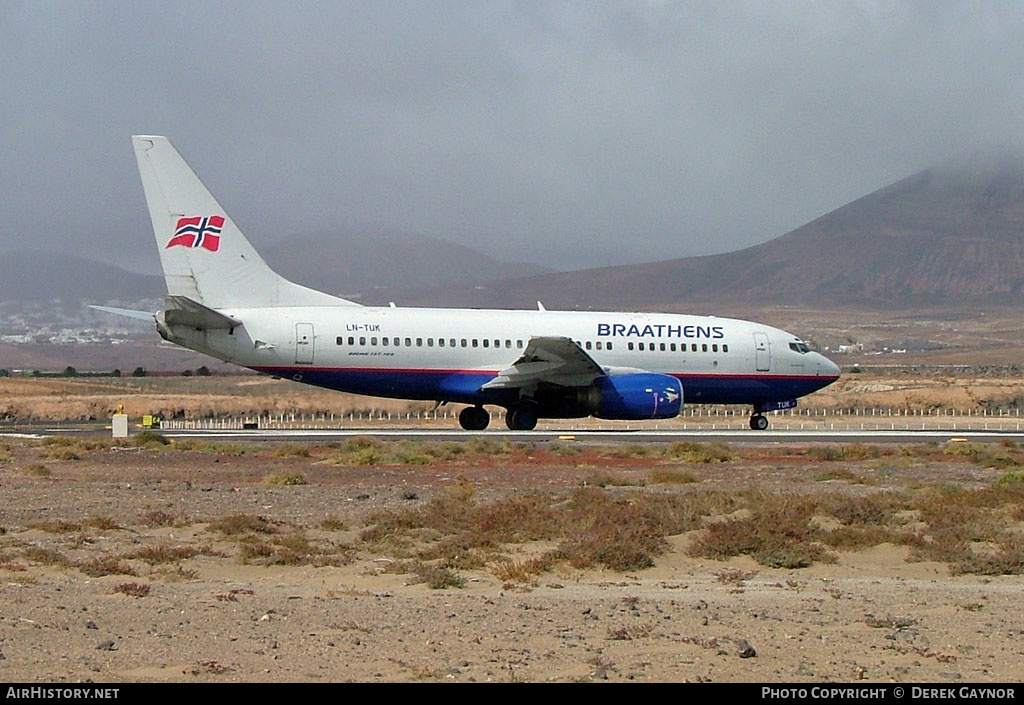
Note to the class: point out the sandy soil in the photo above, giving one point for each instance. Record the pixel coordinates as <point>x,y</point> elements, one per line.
<point>871,616</point>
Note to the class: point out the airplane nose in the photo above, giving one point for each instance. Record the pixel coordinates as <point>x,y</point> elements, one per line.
<point>827,367</point>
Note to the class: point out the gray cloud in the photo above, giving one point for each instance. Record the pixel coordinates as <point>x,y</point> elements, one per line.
<point>571,134</point>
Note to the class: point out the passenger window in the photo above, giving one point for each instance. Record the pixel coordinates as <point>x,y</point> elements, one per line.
<point>430,342</point>
<point>663,347</point>
<point>640,345</point>
<point>451,343</point>
<point>703,347</point>
<point>725,348</point>
<point>497,343</point>
<point>629,346</point>
<point>609,345</point>
<point>362,341</point>
<point>598,344</point>
<point>385,341</point>
<point>487,343</point>
<point>519,344</point>
<point>419,342</point>
<point>672,347</point>
<point>464,343</point>
<point>714,347</point>
<point>408,342</point>
<point>351,340</point>
<point>508,343</point>
<point>373,340</point>
<point>475,342</point>
<point>693,347</point>
<point>588,345</point>
<point>339,340</point>
<point>440,342</point>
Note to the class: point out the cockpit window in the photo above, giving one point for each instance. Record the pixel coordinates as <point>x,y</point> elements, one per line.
<point>800,347</point>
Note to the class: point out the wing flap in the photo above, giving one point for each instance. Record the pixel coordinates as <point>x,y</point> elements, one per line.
<point>550,360</point>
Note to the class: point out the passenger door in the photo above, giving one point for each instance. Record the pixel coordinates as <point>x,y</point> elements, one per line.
<point>762,352</point>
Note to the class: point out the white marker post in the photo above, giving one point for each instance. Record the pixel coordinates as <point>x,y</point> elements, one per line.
<point>119,423</point>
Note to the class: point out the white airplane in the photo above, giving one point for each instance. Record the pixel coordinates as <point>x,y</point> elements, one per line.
<point>223,300</point>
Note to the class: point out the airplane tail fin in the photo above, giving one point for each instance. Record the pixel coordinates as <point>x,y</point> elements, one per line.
<point>205,257</point>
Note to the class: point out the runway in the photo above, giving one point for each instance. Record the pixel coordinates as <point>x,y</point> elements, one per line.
<point>736,436</point>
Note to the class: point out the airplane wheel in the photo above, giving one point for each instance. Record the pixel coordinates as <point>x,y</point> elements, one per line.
<point>521,419</point>
<point>758,422</point>
<point>474,418</point>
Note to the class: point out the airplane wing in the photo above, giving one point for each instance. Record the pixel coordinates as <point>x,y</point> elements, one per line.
<point>550,360</point>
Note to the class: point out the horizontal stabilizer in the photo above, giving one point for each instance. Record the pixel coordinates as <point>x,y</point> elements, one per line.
<point>183,311</point>
<point>126,312</point>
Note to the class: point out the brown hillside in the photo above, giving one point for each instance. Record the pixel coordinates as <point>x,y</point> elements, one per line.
<point>948,236</point>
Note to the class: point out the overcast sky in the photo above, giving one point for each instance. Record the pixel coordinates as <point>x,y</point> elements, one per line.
<point>567,133</point>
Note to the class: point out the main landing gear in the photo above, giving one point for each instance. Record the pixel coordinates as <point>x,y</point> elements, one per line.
<point>521,418</point>
<point>474,418</point>
<point>758,422</point>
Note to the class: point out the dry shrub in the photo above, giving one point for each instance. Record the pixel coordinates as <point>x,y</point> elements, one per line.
<point>292,450</point>
<point>618,533</point>
<point>163,553</point>
<point>436,577</point>
<point>293,549</point>
<point>102,523</point>
<point>285,479</point>
<point>359,450</point>
<point>36,470</point>
<point>701,453</point>
<point>45,556</point>
<point>1006,559</point>
<point>149,439</point>
<point>481,445</point>
<point>848,452</point>
<point>984,454</point>
<point>628,450</point>
<point>610,479</point>
<point>556,448</point>
<point>843,475</point>
<point>106,565</point>
<point>523,571</point>
<point>870,510</point>
<point>58,526</point>
<point>853,538</point>
<point>671,476</point>
<point>160,518</point>
<point>778,533</point>
<point>133,589</point>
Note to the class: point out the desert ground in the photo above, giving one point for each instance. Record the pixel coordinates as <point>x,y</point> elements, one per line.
<point>493,561</point>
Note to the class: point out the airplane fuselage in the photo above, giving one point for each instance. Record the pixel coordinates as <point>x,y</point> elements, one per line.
<point>449,354</point>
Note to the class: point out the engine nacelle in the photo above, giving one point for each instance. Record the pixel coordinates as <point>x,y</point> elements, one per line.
<point>636,397</point>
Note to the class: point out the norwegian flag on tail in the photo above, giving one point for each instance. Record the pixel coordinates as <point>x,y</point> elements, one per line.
<point>198,231</point>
